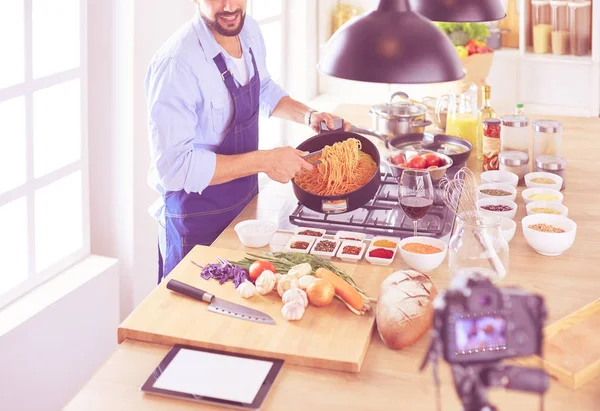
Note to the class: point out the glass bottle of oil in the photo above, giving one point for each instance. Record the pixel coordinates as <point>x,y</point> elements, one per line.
<point>485,111</point>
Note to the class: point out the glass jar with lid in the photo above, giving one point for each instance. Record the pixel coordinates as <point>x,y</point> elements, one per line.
<point>560,27</point>
<point>491,143</point>
<point>514,134</point>
<point>515,162</point>
<point>553,164</point>
<point>580,24</point>
<point>541,25</point>
<point>547,138</point>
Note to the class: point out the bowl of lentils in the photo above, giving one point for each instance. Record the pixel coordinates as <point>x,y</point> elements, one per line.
<point>497,190</point>
<point>498,207</point>
<point>547,234</point>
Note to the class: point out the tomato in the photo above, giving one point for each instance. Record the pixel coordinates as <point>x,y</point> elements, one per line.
<point>398,159</point>
<point>432,160</point>
<point>417,162</point>
<point>258,267</point>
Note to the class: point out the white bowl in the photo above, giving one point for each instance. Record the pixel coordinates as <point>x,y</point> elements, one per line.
<point>508,227</point>
<point>532,191</point>
<point>497,186</point>
<point>550,244</point>
<point>558,180</point>
<point>351,257</point>
<point>325,254</point>
<point>304,238</point>
<point>497,176</point>
<point>564,211</point>
<point>423,262</point>
<point>498,201</point>
<point>255,233</point>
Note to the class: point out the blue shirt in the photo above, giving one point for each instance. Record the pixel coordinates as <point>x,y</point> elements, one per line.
<point>189,106</point>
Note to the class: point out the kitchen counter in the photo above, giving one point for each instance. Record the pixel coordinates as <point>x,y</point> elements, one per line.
<point>390,379</point>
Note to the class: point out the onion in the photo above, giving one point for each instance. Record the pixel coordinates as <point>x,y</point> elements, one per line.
<point>320,293</point>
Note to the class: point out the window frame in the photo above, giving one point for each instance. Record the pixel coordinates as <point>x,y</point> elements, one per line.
<point>26,89</point>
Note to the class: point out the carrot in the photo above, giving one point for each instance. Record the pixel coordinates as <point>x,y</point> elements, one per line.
<point>345,291</point>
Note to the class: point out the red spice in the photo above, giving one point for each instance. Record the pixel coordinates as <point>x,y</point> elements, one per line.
<point>301,245</point>
<point>381,253</point>
<point>350,249</point>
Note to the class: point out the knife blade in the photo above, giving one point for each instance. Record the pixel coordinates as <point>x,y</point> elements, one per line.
<point>220,306</point>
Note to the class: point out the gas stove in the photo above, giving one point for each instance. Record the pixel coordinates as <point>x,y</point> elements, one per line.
<point>380,216</point>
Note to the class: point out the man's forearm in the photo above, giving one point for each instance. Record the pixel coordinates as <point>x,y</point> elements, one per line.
<point>236,166</point>
<point>290,109</point>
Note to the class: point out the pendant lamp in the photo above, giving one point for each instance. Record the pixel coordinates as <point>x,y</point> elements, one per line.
<point>391,44</point>
<point>460,11</point>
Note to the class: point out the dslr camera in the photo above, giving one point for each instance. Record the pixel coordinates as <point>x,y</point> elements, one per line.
<point>475,326</point>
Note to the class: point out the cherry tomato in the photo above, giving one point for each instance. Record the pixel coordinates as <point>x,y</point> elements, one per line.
<point>417,162</point>
<point>432,160</point>
<point>258,267</point>
<point>398,159</point>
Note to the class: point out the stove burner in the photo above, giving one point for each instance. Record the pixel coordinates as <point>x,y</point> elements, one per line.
<point>380,216</point>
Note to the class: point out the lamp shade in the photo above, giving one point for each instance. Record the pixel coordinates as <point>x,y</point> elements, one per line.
<point>460,11</point>
<point>391,45</point>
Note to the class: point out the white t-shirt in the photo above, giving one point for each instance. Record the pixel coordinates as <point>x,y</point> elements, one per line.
<point>241,66</point>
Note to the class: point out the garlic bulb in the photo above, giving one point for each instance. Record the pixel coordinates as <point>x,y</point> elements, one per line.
<point>294,310</point>
<point>300,270</point>
<point>246,289</point>
<point>306,281</point>
<point>295,294</point>
<point>265,282</point>
<point>284,284</point>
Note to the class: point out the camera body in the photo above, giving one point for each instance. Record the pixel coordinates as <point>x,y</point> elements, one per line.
<point>477,322</point>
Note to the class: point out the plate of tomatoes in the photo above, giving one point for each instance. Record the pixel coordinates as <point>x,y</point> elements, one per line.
<point>435,163</point>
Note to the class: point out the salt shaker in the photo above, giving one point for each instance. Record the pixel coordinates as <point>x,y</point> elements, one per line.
<point>553,164</point>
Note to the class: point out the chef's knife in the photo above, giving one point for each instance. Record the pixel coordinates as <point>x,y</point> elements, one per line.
<point>219,306</point>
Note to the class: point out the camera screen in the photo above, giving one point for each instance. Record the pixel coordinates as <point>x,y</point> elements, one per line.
<point>478,334</point>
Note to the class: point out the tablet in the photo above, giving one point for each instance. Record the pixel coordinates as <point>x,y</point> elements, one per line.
<point>215,377</point>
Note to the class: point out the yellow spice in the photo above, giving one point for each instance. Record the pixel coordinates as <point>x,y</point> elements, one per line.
<point>543,197</point>
<point>545,211</point>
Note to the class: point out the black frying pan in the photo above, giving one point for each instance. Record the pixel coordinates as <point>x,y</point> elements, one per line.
<point>346,202</point>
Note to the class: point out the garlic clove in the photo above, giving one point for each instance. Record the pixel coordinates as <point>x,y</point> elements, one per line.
<point>305,281</point>
<point>293,311</point>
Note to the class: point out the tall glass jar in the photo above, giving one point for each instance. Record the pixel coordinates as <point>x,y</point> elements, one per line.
<point>514,134</point>
<point>560,26</point>
<point>479,245</point>
<point>547,138</point>
<point>542,25</point>
<point>491,143</point>
<point>461,122</point>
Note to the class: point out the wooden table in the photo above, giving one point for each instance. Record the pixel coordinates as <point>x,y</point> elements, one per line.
<point>390,379</point>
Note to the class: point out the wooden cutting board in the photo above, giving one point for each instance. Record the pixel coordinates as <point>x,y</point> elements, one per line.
<point>329,337</point>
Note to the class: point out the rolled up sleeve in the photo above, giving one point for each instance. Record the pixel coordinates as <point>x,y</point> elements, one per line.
<point>172,96</point>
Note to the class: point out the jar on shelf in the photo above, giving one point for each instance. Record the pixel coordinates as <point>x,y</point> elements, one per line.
<point>479,245</point>
<point>560,27</point>
<point>553,164</point>
<point>542,25</point>
<point>514,134</point>
<point>580,23</point>
<point>516,162</point>
<point>547,138</point>
<point>491,143</point>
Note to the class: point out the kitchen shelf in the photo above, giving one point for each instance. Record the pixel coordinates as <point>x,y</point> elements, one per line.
<point>554,58</point>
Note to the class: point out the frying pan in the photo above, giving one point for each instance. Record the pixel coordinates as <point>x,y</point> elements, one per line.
<point>346,202</point>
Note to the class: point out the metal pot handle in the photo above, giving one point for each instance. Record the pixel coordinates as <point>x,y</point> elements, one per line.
<point>373,133</point>
<point>438,107</point>
<point>425,123</point>
<point>399,93</point>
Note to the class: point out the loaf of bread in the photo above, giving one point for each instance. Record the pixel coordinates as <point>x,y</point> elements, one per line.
<point>404,308</point>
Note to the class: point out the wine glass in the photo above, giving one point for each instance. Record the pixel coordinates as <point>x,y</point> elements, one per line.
<point>416,194</point>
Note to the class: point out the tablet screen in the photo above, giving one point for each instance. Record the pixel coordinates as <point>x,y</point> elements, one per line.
<point>213,375</point>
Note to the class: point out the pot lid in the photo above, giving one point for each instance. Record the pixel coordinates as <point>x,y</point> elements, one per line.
<point>398,110</point>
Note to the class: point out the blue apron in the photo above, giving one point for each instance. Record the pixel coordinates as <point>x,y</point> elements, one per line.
<point>192,219</point>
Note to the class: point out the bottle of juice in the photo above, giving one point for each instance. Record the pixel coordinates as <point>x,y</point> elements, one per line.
<point>485,112</point>
<point>461,121</point>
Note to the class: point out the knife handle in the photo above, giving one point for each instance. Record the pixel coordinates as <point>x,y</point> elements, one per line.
<point>189,291</point>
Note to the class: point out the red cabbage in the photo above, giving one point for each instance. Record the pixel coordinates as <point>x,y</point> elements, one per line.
<point>224,272</point>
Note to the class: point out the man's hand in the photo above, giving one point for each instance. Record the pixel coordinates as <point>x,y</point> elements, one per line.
<point>283,163</point>
<point>319,116</point>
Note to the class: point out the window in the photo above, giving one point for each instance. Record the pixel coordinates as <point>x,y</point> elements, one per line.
<point>43,142</point>
<point>270,16</point>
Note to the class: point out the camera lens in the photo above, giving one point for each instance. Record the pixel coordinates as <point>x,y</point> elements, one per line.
<point>485,300</point>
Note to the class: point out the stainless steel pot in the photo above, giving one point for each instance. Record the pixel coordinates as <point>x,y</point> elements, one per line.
<point>400,118</point>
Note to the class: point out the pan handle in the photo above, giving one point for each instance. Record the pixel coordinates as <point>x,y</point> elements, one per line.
<point>373,133</point>
<point>338,123</point>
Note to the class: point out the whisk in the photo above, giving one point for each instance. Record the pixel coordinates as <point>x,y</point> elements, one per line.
<point>460,195</point>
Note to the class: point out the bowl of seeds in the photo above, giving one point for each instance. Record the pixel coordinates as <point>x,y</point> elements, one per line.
<point>498,207</point>
<point>547,207</point>
<point>548,234</point>
<point>497,190</point>
<point>543,180</point>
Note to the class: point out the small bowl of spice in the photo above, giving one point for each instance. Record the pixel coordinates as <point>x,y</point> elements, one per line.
<point>350,235</point>
<point>543,180</point>
<point>497,190</point>
<point>423,254</point>
<point>547,207</point>
<point>325,247</point>
<point>548,234</point>
<point>351,250</point>
<point>542,194</point>
<point>499,176</point>
<point>300,244</point>
<point>255,233</point>
<point>312,232</point>
<point>382,250</point>
<point>498,207</point>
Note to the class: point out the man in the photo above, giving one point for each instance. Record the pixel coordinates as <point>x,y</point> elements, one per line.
<point>205,88</point>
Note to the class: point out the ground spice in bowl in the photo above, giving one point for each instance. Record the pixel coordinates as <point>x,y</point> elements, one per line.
<point>326,246</point>
<point>299,245</point>
<point>381,253</point>
<point>419,248</point>
<point>351,249</point>
<point>541,180</point>
<point>384,243</point>
<point>494,192</point>
<point>311,233</point>
<point>546,228</point>
<point>496,208</point>
<point>545,211</point>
